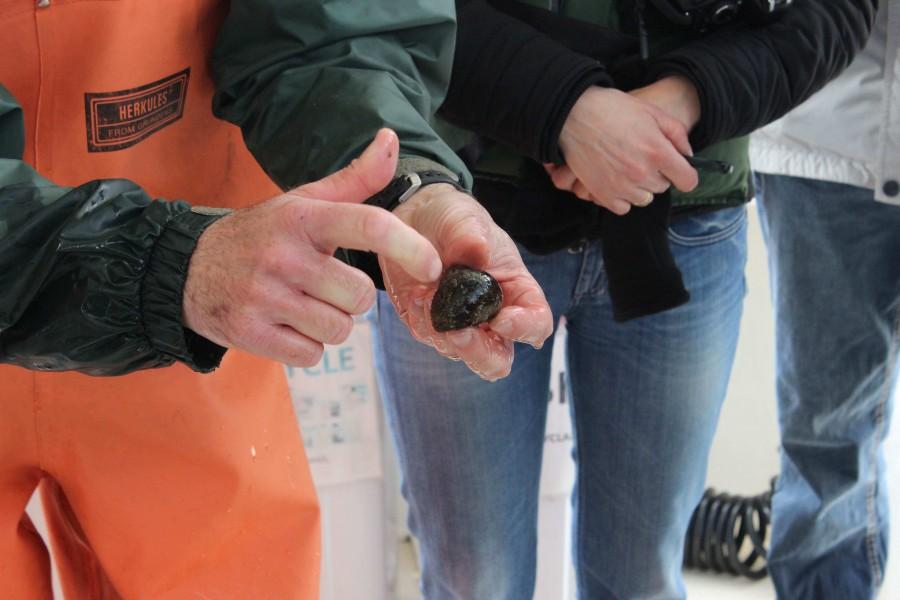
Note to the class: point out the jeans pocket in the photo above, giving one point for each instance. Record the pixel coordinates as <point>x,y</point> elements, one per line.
<point>708,228</point>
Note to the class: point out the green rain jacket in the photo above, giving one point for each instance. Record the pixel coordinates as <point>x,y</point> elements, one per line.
<point>309,83</point>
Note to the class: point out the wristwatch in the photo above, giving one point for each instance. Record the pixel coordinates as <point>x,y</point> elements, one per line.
<point>404,187</point>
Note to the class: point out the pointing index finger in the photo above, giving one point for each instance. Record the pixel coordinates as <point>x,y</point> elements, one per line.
<point>363,227</point>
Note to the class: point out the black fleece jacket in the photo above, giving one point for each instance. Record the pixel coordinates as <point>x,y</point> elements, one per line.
<point>518,71</point>
<point>516,85</point>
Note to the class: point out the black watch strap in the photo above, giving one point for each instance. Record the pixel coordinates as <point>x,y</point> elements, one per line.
<point>404,187</point>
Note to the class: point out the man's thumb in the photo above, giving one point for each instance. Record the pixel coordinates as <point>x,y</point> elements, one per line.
<point>364,177</point>
<point>471,250</point>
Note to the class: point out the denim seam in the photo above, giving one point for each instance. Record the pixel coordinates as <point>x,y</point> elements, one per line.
<point>871,508</point>
<point>579,533</point>
<point>600,286</point>
<point>705,240</point>
<point>583,273</point>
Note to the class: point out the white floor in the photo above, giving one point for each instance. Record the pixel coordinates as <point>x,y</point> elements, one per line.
<point>701,586</point>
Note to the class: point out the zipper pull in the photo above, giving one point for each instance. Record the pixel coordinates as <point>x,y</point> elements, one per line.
<point>43,3</point>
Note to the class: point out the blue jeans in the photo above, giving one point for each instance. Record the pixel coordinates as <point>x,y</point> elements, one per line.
<point>835,264</point>
<point>645,398</point>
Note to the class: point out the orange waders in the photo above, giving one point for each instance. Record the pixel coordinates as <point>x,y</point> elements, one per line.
<point>164,484</point>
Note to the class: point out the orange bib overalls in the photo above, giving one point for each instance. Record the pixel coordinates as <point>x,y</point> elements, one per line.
<point>164,484</point>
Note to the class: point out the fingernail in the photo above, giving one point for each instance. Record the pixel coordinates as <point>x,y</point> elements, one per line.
<point>461,338</point>
<point>386,134</point>
<point>434,270</point>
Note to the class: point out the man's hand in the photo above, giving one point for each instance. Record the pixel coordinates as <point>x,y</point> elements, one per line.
<point>676,96</point>
<point>463,232</point>
<point>621,149</point>
<point>264,279</point>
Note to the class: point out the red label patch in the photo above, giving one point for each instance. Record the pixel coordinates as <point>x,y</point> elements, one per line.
<point>117,120</point>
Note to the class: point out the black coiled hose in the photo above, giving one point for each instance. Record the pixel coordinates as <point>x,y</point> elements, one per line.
<point>724,528</point>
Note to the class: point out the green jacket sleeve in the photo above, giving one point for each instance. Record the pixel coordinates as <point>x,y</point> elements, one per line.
<point>91,277</point>
<point>310,82</point>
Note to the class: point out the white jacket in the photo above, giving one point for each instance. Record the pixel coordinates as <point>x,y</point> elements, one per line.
<point>850,131</point>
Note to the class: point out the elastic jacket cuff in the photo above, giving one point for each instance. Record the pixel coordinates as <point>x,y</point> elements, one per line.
<point>589,73</point>
<point>163,292</point>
